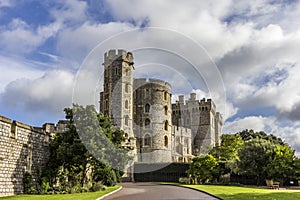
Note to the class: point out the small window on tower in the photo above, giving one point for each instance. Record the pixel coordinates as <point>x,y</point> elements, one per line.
<point>147,140</point>
<point>126,120</point>
<point>126,104</point>
<point>165,95</point>
<point>166,141</point>
<point>147,123</point>
<point>166,125</point>
<point>166,110</point>
<point>147,108</point>
<point>126,87</point>
<point>147,92</point>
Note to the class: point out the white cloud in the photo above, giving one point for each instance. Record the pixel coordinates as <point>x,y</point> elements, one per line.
<point>48,94</point>
<point>77,42</point>
<point>289,132</point>
<point>72,11</point>
<point>5,3</point>
<point>14,68</point>
<point>19,37</point>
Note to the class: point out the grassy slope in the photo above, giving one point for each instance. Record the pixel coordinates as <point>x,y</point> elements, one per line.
<point>247,193</point>
<point>81,196</point>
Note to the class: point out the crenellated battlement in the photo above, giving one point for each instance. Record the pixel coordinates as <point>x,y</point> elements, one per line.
<point>114,54</point>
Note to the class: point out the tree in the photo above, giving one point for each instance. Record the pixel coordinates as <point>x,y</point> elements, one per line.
<point>280,162</point>
<point>89,143</point>
<point>253,158</point>
<point>203,168</point>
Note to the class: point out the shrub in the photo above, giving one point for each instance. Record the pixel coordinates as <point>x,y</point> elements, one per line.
<point>28,187</point>
<point>98,187</point>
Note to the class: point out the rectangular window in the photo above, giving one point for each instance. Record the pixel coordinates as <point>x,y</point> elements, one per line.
<point>13,130</point>
<point>29,158</point>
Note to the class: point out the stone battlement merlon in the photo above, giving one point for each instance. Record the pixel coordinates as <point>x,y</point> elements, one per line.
<point>115,54</point>
<point>22,125</point>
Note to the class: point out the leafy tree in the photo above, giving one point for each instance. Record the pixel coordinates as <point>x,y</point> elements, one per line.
<point>203,168</point>
<point>250,134</point>
<point>227,153</point>
<point>89,142</point>
<point>280,162</point>
<point>254,157</point>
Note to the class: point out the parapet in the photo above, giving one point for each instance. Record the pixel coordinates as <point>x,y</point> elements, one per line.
<point>21,125</point>
<point>142,81</point>
<point>114,54</point>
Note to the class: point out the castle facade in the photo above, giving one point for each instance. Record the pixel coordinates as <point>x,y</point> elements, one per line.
<point>156,130</point>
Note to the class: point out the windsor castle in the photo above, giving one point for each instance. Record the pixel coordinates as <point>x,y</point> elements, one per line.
<point>156,130</point>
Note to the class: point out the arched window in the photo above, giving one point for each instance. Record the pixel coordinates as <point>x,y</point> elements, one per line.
<point>147,123</point>
<point>147,108</point>
<point>147,140</point>
<point>126,87</point>
<point>166,125</point>
<point>126,120</point>
<point>126,135</point>
<point>126,104</point>
<point>166,110</point>
<point>166,141</point>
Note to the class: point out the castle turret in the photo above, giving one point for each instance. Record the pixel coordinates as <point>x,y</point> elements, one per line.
<point>116,99</point>
<point>152,116</point>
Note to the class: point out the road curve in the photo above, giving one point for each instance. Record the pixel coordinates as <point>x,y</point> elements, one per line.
<point>148,191</point>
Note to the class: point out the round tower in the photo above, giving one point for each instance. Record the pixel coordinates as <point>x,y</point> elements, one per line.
<point>152,116</point>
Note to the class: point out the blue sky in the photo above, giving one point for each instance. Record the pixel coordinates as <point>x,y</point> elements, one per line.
<point>253,49</point>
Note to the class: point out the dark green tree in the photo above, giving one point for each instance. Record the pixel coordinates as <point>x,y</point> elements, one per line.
<point>89,142</point>
<point>254,157</point>
<point>203,168</point>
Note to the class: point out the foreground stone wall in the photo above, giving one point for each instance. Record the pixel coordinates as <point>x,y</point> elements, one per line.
<point>22,148</point>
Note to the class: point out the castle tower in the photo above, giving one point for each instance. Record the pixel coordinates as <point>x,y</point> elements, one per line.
<point>201,118</point>
<point>152,116</point>
<point>116,99</point>
<point>206,131</point>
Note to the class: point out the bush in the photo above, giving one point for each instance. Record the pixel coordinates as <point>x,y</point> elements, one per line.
<point>98,187</point>
<point>28,187</point>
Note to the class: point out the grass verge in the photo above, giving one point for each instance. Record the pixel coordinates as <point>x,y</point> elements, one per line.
<point>246,193</point>
<point>81,196</point>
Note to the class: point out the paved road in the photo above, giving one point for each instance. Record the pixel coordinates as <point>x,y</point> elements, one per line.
<point>148,191</point>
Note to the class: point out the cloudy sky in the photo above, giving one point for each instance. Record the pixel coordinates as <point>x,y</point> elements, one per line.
<point>243,54</point>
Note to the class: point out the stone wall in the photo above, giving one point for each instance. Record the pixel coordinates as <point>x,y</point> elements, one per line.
<point>23,148</point>
<point>152,119</point>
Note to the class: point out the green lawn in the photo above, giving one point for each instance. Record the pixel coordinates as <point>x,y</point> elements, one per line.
<point>247,193</point>
<point>81,196</point>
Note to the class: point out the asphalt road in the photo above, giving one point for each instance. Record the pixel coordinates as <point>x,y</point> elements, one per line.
<point>148,191</point>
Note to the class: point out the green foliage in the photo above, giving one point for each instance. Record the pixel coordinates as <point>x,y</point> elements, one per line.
<point>280,162</point>
<point>257,155</point>
<point>254,157</point>
<point>89,143</point>
<point>227,153</point>
<point>28,187</point>
<point>203,168</point>
<point>98,187</point>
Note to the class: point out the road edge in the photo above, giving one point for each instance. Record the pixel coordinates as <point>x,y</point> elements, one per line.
<point>192,189</point>
<point>106,195</point>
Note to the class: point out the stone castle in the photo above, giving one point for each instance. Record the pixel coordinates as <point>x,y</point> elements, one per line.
<point>155,129</point>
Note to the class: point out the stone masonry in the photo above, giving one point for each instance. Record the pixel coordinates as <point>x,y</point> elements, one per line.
<point>156,130</point>
<point>23,148</point>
